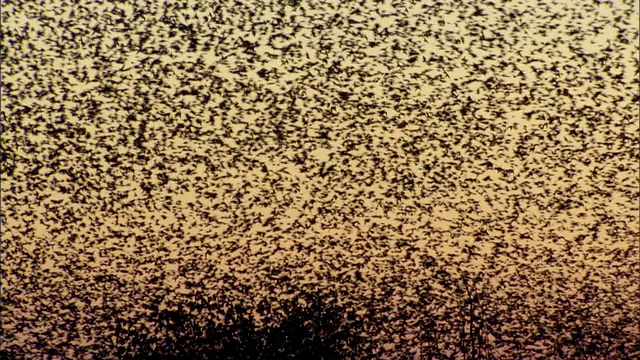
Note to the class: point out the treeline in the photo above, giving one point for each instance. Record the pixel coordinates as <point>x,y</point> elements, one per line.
<point>312,325</point>
<point>311,328</point>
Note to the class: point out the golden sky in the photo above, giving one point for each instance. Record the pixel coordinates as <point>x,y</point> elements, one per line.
<point>353,146</point>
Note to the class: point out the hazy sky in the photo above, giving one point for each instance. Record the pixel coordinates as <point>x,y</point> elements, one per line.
<point>150,145</point>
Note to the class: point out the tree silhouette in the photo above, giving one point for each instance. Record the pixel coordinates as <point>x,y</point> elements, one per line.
<point>311,329</point>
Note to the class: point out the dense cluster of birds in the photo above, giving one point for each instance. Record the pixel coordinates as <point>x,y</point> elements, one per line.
<point>462,177</point>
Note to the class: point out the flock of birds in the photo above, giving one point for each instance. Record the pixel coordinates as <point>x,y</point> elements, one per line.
<point>400,155</point>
